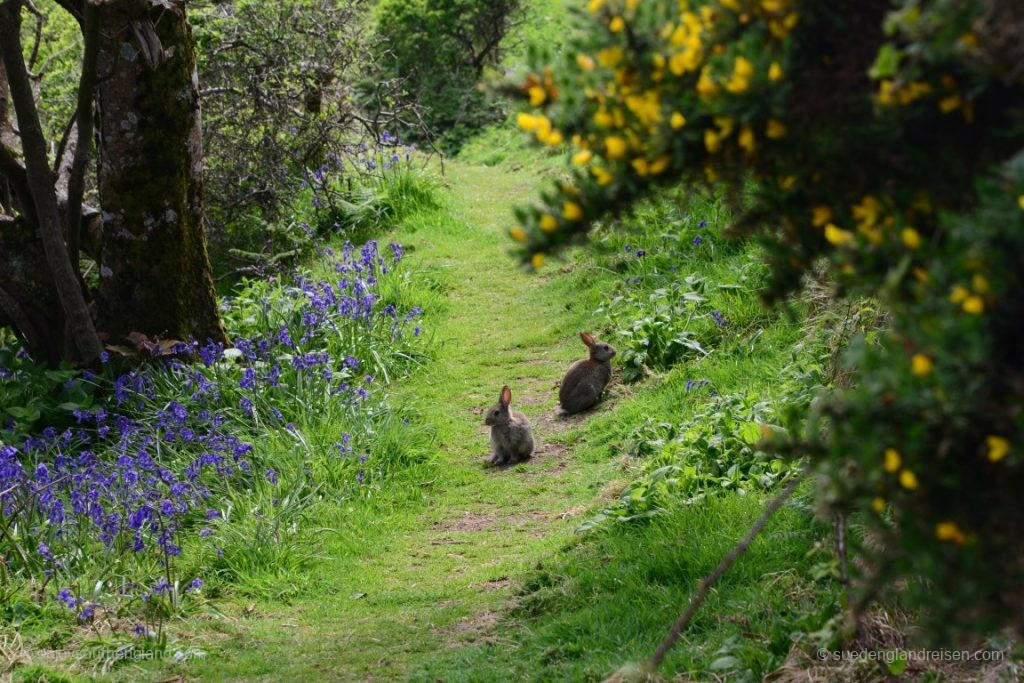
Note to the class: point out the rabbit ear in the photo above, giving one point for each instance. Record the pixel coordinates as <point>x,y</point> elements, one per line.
<point>587,338</point>
<point>506,396</point>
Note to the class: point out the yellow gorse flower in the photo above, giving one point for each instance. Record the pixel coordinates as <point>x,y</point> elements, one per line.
<point>610,57</point>
<point>706,87</point>
<point>616,147</point>
<point>527,122</point>
<point>949,531</point>
<point>537,260</point>
<point>775,129</point>
<point>572,211</point>
<point>911,238</point>
<point>517,233</point>
<point>659,165</point>
<point>581,157</point>
<point>602,175</point>
<point>746,140</point>
<point>908,480</point>
<point>712,140</point>
<point>820,215</point>
<point>958,294</point>
<point>616,24</point>
<point>974,305</point>
<point>921,365</point>
<point>998,447</point>
<point>837,236</point>
<point>537,95</point>
<point>548,223</point>
<point>551,138</point>
<point>892,460</point>
<point>742,70</point>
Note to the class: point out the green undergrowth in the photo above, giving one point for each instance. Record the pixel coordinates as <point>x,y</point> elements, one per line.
<point>440,569</point>
<point>609,598</point>
<point>705,372</point>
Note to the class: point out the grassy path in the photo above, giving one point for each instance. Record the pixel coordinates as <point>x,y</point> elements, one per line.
<point>395,585</point>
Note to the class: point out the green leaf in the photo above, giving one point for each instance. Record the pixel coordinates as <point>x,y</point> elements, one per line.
<point>898,665</point>
<point>886,63</point>
<point>750,432</point>
<point>722,663</point>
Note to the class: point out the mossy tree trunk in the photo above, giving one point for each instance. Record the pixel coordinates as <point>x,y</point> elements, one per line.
<point>155,273</point>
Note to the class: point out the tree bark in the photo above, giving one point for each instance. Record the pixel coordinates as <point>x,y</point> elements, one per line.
<point>28,296</point>
<point>155,274</point>
<point>40,181</point>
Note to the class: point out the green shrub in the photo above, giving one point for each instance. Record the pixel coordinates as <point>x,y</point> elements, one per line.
<point>438,51</point>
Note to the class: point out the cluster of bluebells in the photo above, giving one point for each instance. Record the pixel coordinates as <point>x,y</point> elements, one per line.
<point>361,162</point>
<point>144,469</point>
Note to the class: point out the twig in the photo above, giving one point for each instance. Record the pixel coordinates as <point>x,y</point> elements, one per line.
<point>844,575</point>
<point>713,577</point>
<point>86,93</point>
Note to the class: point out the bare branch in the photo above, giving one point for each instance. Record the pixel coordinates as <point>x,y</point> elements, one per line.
<point>711,579</point>
<point>86,95</point>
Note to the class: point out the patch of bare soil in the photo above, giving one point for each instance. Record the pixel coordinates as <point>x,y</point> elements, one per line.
<point>468,521</point>
<point>470,630</point>
<point>495,584</point>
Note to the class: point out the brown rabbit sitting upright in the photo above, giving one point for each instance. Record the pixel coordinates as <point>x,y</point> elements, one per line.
<point>511,437</point>
<point>586,379</point>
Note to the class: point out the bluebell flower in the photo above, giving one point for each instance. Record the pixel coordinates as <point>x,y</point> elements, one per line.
<point>64,595</point>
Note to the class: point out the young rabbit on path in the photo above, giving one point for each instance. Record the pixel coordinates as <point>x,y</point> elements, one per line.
<point>586,379</point>
<point>511,437</point>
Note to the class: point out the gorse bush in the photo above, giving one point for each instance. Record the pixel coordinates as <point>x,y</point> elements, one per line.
<point>169,474</point>
<point>885,138</point>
